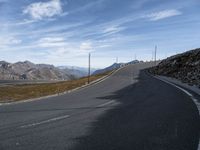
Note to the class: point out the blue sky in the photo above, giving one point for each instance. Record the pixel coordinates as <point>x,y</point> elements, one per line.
<point>63,32</point>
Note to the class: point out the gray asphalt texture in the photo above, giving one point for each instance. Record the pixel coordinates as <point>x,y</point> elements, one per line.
<point>129,110</point>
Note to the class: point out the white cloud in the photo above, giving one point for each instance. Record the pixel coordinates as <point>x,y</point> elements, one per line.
<point>58,48</point>
<point>86,46</point>
<point>50,39</point>
<point>113,29</point>
<point>104,46</point>
<point>163,14</point>
<point>51,42</point>
<point>41,10</point>
<point>14,41</point>
<point>7,41</point>
<point>69,51</point>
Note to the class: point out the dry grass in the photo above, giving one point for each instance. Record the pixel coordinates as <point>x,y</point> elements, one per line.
<point>28,91</point>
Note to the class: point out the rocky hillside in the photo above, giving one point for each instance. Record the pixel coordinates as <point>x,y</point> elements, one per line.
<point>185,67</point>
<point>30,71</point>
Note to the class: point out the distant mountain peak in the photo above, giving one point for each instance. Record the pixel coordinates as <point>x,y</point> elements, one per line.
<point>114,66</point>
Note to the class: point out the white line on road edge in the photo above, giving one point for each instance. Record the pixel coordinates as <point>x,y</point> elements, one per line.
<point>186,92</point>
<point>107,103</point>
<point>45,121</point>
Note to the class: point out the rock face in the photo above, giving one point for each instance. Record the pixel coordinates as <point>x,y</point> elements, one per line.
<point>185,67</point>
<point>30,71</point>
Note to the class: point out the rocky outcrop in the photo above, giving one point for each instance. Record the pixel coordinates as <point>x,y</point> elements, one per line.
<point>185,67</point>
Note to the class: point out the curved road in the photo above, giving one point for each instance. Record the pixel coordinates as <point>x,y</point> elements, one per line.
<point>129,110</point>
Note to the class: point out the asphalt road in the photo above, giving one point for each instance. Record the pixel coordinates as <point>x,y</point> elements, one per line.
<point>129,110</point>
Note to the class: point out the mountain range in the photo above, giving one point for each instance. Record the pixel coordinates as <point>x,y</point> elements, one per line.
<point>30,71</point>
<point>77,71</point>
<point>114,66</point>
<point>27,70</point>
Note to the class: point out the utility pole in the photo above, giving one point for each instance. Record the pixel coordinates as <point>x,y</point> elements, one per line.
<point>155,54</point>
<point>89,68</point>
<point>116,60</point>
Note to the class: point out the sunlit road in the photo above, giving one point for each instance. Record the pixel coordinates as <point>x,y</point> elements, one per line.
<point>129,110</point>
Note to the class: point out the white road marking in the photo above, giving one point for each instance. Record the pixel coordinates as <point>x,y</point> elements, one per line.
<point>107,103</point>
<point>45,121</point>
<point>58,118</point>
<point>186,92</point>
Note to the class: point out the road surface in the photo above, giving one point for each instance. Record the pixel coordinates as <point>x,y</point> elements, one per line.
<point>129,110</point>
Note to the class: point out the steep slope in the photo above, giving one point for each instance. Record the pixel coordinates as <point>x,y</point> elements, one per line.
<point>185,67</point>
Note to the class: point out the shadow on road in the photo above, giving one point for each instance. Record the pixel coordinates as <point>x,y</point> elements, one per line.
<point>151,115</point>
